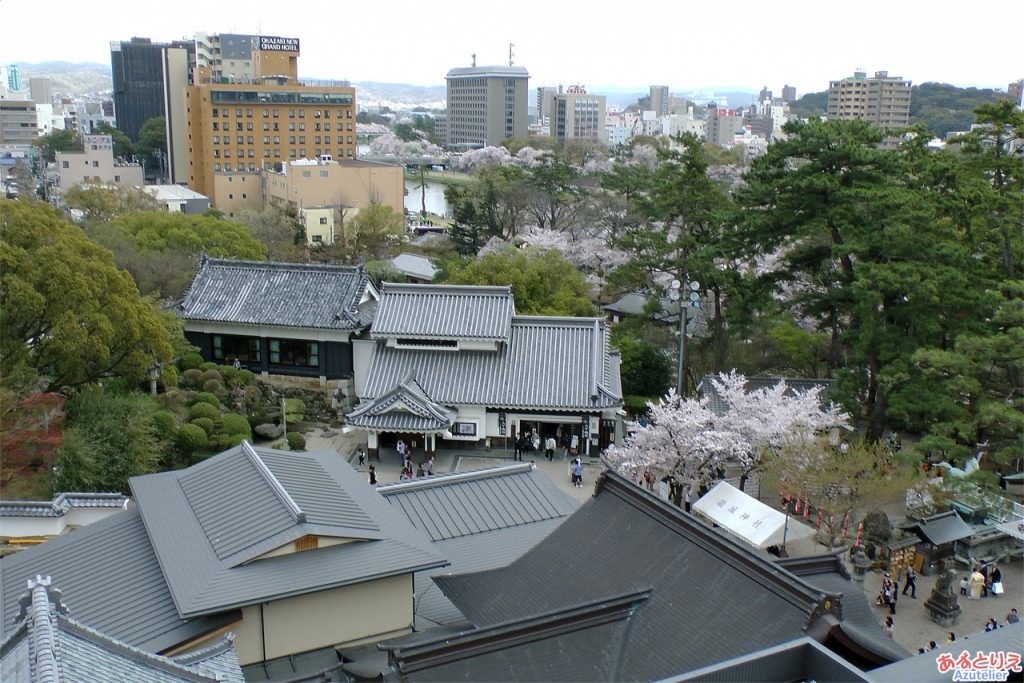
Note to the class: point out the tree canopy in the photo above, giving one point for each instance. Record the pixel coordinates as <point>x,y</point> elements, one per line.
<point>59,140</point>
<point>67,313</point>
<point>543,283</point>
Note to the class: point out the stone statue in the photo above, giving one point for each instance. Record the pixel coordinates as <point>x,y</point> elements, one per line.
<point>947,582</point>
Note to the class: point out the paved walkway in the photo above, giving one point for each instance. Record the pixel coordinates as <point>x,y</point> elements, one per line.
<point>914,628</point>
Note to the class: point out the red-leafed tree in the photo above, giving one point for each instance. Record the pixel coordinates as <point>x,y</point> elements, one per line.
<point>31,431</point>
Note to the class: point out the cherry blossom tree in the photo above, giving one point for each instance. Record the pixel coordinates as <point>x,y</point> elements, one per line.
<point>766,416</point>
<point>691,443</point>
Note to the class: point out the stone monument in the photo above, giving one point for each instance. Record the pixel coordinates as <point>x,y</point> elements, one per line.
<point>942,604</point>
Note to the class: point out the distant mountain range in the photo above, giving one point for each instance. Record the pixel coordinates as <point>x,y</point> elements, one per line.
<point>88,78</point>
<point>70,78</point>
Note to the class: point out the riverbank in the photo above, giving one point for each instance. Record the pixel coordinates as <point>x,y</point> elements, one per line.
<point>441,177</point>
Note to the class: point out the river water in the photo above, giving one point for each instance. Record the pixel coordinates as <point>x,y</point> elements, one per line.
<point>436,203</point>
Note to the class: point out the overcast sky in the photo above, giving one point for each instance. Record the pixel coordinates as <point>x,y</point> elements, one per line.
<point>685,44</point>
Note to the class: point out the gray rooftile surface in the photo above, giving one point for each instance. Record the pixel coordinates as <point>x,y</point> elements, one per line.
<point>50,647</point>
<point>549,363</point>
<point>285,294</point>
<point>443,312</point>
<point>406,408</point>
<point>61,504</point>
<point>706,388</point>
<point>414,265</point>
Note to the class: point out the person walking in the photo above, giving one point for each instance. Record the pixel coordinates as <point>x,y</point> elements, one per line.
<point>362,456</point>
<point>577,473</point>
<point>401,448</point>
<point>893,597</point>
<point>373,475</point>
<point>648,480</point>
<point>519,447</point>
<point>996,577</point>
<point>430,466</point>
<point>911,583</point>
<point>549,448</point>
<point>975,584</point>
<point>890,626</point>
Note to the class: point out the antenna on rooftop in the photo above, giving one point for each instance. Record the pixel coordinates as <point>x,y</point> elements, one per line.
<point>510,53</point>
<point>474,60</point>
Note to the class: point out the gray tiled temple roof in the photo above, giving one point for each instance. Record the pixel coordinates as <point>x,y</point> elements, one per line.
<point>444,312</point>
<point>415,266</point>
<point>61,503</point>
<point>406,408</point>
<point>286,294</point>
<point>113,580</point>
<point>548,363</point>
<point>49,647</point>
<point>706,388</point>
<point>687,580</point>
<point>186,513</point>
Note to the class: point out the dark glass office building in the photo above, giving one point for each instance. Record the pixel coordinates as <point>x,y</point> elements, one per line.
<point>138,67</point>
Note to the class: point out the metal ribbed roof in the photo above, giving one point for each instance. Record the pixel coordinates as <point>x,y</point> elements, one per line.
<point>706,389</point>
<point>549,363</point>
<point>285,294</point>
<point>444,312</point>
<point>327,497</point>
<point>467,503</point>
<point>112,581</point>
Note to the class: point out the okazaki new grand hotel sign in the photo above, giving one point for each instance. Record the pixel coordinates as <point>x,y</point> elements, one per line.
<point>278,44</point>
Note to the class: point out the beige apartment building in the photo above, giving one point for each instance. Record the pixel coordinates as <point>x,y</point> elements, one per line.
<point>95,164</point>
<point>18,122</point>
<point>880,99</point>
<point>327,193</point>
<point>236,127</point>
<point>576,115</point>
<point>486,105</point>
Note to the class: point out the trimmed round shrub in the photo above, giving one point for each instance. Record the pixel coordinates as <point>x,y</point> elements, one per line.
<point>259,419</point>
<point>204,410</point>
<point>213,386</point>
<point>294,405</point>
<point>192,377</point>
<point>206,424</point>
<point>236,424</point>
<point>207,366</point>
<point>245,377</point>
<point>165,421</point>
<point>228,372</point>
<point>168,377</point>
<point>191,361</point>
<point>206,397</point>
<point>234,439</point>
<point>191,437</point>
<point>296,441</point>
<point>208,375</point>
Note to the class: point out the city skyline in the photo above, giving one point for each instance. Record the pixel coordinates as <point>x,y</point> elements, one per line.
<point>681,46</point>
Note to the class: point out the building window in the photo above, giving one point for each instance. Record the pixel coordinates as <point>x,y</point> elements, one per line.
<point>323,174</point>
<point>293,352</point>
<point>95,164</point>
<point>318,238</point>
<point>64,164</point>
<point>230,347</point>
<point>323,220</point>
<point>306,174</point>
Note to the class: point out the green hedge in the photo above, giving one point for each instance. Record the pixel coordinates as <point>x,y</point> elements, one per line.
<point>191,361</point>
<point>296,441</point>
<point>191,437</point>
<point>204,410</point>
<point>206,397</point>
<point>235,424</point>
<point>206,424</point>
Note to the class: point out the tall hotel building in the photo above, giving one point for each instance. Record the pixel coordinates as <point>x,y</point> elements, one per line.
<point>486,105</point>
<point>239,124</point>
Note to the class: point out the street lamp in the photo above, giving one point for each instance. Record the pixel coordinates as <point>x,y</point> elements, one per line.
<point>676,292</point>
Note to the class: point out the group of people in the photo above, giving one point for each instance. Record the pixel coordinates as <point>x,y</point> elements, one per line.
<point>888,596</point>
<point>407,473</point>
<point>991,625</point>
<point>985,579</point>
<point>531,441</point>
